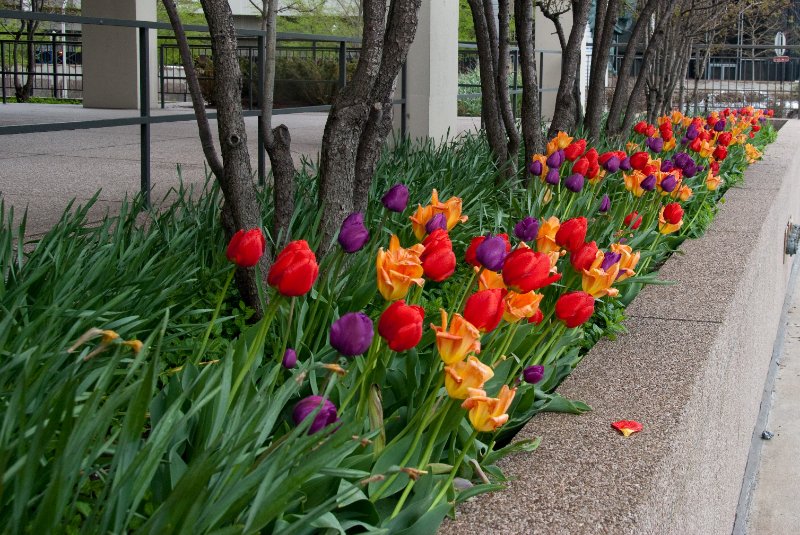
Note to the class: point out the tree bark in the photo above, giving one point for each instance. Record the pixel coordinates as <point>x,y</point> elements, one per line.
<point>531,114</point>
<point>565,108</point>
<point>501,81</point>
<point>596,97</point>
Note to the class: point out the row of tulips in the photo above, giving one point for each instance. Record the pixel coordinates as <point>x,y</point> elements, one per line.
<point>508,312</point>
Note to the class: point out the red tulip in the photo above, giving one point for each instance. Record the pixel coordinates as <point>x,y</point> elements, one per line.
<point>438,258</point>
<point>295,269</point>
<point>245,248</point>
<point>592,155</point>
<point>673,213</point>
<point>639,160</point>
<point>575,149</point>
<point>633,220</point>
<point>724,139</point>
<point>575,308</point>
<point>537,318</point>
<point>581,167</point>
<point>484,309</point>
<point>401,325</point>
<point>720,153</point>
<point>640,128</point>
<point>471,255</point>
<point>583,257</point>
<point>572,233</point>
<point>526,270</point>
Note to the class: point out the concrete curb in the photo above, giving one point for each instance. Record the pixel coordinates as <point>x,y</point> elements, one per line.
<point>691,370</point>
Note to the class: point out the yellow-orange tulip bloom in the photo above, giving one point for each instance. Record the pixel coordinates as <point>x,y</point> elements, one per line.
<point>457,340</point>
<point>490,280</point>
<point>597,281</point>
<point>752,153</point>
<point>683,192</point>
<point>398,269</point>
<point>628,260</point>
<point>451,208</point>
<point>633,182</point>
<point>546,238</point>
<point>561,141</point>
<point>676,117</point>
<point>664,226</point>
<point>706,149</point>
<point>669,145</point>
<point>487,414</point>
<point>542,159</point>
<point>463,376</point>
<point>631,147</point>
<point>712,182</point>
<point>521,306</point>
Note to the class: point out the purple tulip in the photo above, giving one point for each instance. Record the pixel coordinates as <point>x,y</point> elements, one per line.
<point>684,140</point>
<point>719,126</point>
<point>396,199</point>
<point>609,259</point>
<point>690,170</point>
<point>353,235</point>
<point>438,221</point>
<point>605,204</point>
<point>625,164</point>
<point>527,229</point>
<point>289,358</point>
<point>552,178</point>
<point>612,164</point>
<point>352,334</point>
<point>324,417</point>
<point>668,183</point>
<point>574,183</point>
<point>691,132</point>
<point>533,374</point>
<point>535,168</point>
<point>555,160</point>
<point>682,160</point>
<point>491,253</point>
<point>667,166</point>
<point>649,183</point>
<point>656,144</point>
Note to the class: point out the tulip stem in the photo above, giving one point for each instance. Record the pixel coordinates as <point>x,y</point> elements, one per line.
<point>467,289</point>
<point>258,343</point>
<point>512,330</point>
<point>454,471</point>
<point>286,335</point>
<point>214,317</point>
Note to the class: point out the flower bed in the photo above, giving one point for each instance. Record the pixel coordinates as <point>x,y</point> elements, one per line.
<point>311,419</point>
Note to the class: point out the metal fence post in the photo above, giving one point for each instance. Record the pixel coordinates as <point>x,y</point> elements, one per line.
<point>55,66</point>
<point>515,55</point>
<point>342,64</point>
<point>144,112</point>
<point>262,75</point>
<point>404,104</point>
<point>3,69</point>
<point>161,73</point>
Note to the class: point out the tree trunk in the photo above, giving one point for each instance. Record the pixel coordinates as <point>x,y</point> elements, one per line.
<point>531,114</point>
<point>241,203</point>
<point>501,81</point>
<point>277,141</point>
<point>565,112</point>
<point>596,97</point>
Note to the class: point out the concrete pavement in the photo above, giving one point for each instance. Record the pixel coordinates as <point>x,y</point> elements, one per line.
<point>44,171</point>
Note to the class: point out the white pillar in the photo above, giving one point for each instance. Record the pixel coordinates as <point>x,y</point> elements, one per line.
<point>432,71</point>
<point>111,54</point>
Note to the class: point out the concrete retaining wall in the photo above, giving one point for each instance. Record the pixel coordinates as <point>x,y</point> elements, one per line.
<point>691,370</point>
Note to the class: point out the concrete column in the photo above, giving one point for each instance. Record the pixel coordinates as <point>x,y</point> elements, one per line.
<point>111,55</point>
<point>432,70</point>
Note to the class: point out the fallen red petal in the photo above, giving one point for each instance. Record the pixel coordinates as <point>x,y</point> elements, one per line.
<point>627,427</point>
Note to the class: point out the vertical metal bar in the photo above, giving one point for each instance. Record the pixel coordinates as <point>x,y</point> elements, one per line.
<point>250,77</point>
<point>342,65</point>
<point>161,73</point>
<point>404,104</point>
<point>540,72</point>
<point>55,65</point>
<point>262,75</point>
<point>144,111</point>
<point>3,69</point>
<point>515,55</point>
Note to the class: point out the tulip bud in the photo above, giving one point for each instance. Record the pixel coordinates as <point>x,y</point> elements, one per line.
<point>535,168</point>
<point>574,308</point>
<point>553,177</point>
<point>438,221</point>
<point>612,165</point>
<point>533,374</point>
<point>526,270</point>
<point>527,229</point>
<point>639,160</point>
<point>537,318</point>
<point>667,166</point>
<point>668,183</point>
<point>484,309</point>
<point>396,199</point>
<point>574,183</point>
<point>401,325</point>
<point>572,233</point>
<point>555,160</point>
<point>491,253</point>
<point>325,416</point>
<point>245,248</point>
<point>295,269</point>
<point>673,213</point>
<point>719,126</point>
<point>649,183</point>
<point>352,334</point>
<point>289,358</point>
<point>633,220</point>
<point>353,235</point>
<point>583,257</point>
<point>605,204</point>
<point>625,164</point>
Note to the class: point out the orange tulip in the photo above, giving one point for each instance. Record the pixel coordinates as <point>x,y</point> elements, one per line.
<point>451,208</point>
<point>712,182</point>
<point>633,182</point>
<point>597,281</point>
<point>627,261</point>
<point>490,280</point>
<point>487,414</point>
<point>683,192</point>
<point>458,340</point>
<point>521,306</point>
<point>398,269</point>
<point>464,376</point>
<point>752,153</point>
<point>561,141</point>
<point>546,238</point>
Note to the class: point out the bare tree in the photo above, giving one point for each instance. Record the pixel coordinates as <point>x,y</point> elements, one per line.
<point>607,12</point>
<point>531,114</point>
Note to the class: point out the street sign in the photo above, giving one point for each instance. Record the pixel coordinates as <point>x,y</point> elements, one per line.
<point>780,42</point>
<point>780,59</point>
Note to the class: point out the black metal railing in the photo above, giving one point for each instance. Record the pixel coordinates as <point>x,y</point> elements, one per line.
<point>145,119</point>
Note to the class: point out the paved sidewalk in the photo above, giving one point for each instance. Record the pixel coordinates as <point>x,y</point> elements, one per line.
<point>44,171</point>
<point>774,508</point>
